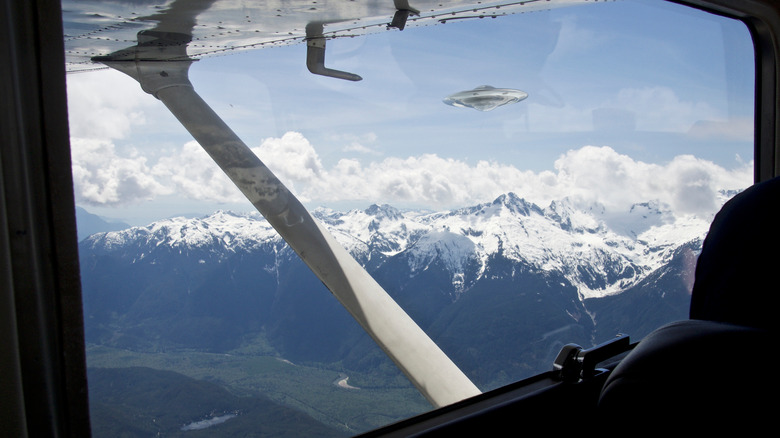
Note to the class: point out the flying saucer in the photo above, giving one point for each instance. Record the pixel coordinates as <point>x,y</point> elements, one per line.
<point>485,98</point>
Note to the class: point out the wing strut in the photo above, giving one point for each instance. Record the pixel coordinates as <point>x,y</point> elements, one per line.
<point>431,371</point>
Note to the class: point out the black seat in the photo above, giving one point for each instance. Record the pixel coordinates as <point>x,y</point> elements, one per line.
<point>737,272</point>
<point>716,369</point>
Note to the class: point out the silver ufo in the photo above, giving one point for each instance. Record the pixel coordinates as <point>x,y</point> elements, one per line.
<point>485,98</point>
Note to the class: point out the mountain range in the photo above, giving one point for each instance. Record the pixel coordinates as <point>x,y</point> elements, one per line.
<point>88,224</point>
<point>500,286</point>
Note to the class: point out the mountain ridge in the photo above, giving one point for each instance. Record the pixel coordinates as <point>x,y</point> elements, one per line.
<point>597,259</point>
<point>500,286</point>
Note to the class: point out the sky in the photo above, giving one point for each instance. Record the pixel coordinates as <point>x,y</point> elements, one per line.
<point>628,102</point>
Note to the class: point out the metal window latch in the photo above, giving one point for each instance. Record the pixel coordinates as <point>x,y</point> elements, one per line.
<point>315,54</point>
<point>402,13</point>
<point>575,363</point>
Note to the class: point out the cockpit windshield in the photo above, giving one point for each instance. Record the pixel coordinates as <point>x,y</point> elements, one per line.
<point>569,207</point>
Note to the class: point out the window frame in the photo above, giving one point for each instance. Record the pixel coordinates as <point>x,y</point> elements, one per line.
<point>44,389</point>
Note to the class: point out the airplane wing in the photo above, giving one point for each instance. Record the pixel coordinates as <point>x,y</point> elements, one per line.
<point>96,28</point>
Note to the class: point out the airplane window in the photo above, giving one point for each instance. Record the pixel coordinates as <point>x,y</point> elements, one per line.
<point>514,183</point>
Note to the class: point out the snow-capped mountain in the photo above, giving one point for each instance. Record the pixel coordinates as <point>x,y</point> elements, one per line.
<point>555,271</point>
<point>591,255</point>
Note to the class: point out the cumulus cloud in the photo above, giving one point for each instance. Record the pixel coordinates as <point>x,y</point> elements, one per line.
<point>101,111</point>
<point>590,174</point>
<point>105,107</point>
<point>688,185</point>
<point>293,158</point>
<point>427,179</point>
<point>587,175</point>
<point>192,174</point>
<point>102,177</point>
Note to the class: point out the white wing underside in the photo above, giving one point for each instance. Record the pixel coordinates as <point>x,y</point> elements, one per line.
<point>96,28</point>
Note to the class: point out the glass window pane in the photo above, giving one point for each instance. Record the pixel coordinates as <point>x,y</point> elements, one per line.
<point>572,211</point>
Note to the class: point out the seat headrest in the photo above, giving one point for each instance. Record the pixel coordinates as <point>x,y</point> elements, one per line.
<point>698,375</point>
<point>737,272</point>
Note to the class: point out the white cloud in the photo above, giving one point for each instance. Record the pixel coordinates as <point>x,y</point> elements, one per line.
<point>191,173</point>
<point>586,175</point>
<point>106,104</point>
<point>687,184</point>
<point>292,158</point>
<point>101,177</point>
<point>590,174</point>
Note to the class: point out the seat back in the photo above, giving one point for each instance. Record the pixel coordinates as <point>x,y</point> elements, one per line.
<point>737,272</point>
<point>712,371</point>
